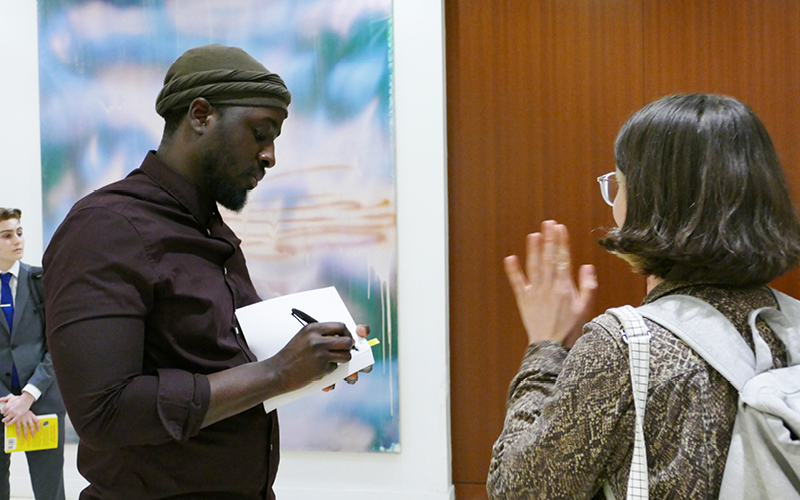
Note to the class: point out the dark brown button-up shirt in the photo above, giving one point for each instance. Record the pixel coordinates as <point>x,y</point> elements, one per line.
<point>142,280</point>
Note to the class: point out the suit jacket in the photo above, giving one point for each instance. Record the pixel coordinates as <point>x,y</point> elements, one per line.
<point>27,347</point>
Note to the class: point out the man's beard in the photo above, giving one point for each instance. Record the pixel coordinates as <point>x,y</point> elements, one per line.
<point>221,185</point>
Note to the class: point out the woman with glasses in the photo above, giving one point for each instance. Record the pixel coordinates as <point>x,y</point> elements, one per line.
<point>702,209</point>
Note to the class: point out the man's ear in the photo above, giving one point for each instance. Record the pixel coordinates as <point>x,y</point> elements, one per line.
<point>200,110</point>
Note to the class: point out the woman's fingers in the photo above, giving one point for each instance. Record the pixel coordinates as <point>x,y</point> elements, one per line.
<point>587,285</point>
<point>548,258</point>
<point>515,275</point>
<point>533,250</point>
<point>563,264</point>
<point>550,304</point>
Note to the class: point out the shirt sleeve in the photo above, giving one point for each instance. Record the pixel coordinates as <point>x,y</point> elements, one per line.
<point>99,287</point>
<point>42,378</point>
<point>564,409</point>
<point>33,391</point>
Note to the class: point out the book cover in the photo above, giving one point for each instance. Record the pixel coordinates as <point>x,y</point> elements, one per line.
<point>45,439</point>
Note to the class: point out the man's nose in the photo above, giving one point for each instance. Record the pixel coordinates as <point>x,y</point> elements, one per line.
<point>267,156</point>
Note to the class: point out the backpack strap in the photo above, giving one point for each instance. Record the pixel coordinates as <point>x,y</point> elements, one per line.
<point>637,336</point>
<point>709,333</point>
<point>790,307</point>
<point>37,285</point>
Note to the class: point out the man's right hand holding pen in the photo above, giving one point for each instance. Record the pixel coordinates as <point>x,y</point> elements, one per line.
<point>316,350</point>
<point>361,331</point>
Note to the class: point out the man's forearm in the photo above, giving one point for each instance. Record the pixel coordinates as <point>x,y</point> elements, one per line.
<point>314,351</point>
<point>240,388</point>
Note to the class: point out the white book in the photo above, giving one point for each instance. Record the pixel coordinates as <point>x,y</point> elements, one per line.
<point>269,325</point>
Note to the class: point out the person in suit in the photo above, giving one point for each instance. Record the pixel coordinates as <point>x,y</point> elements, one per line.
<point>27,380</point>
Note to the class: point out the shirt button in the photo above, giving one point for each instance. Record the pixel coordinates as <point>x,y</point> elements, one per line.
<point>224,270</point>
<point>208,231</point>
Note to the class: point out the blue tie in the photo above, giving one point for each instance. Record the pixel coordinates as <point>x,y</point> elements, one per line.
<point>8,310</point>
<point>7,299</point>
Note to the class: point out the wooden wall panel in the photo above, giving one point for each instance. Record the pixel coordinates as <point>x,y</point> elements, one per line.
<point>748,49</point>
<point>537,91</point>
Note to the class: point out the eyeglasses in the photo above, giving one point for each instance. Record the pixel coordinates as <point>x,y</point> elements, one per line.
<point>609,187</point>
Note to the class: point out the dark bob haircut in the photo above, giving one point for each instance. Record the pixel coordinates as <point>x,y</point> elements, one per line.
<point>706,195</point>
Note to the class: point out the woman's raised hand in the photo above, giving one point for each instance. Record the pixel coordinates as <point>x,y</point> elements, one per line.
<point>551,306</point>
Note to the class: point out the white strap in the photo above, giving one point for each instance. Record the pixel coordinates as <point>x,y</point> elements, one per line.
<point>705,330</point>
<point>790,338</point>
<point>637,336</point>
<point>711,335</point>
<point>762,351</point>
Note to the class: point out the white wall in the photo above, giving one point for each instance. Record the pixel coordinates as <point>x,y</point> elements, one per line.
<point>421,471</point>
<point>20,172</point>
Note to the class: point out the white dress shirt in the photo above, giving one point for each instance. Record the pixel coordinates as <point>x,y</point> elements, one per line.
<point>29,388</point>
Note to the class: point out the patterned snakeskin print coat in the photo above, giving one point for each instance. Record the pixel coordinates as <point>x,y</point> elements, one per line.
<point>570,414</point>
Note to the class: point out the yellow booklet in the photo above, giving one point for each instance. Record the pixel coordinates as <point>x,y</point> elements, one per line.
<point>45,439</point>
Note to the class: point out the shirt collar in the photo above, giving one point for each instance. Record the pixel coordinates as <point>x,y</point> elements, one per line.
<point>190,195</point>
<point>14,270</point>
<point>670,287</point>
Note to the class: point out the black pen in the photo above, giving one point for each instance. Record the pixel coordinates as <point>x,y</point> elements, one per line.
<point>305,319</point>
<point>302,317</point>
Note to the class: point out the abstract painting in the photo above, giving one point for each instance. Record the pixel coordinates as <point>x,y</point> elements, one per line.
<point>325,215</point>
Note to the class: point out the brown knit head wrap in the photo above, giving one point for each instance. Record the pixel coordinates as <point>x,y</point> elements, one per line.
<point>222,75</point>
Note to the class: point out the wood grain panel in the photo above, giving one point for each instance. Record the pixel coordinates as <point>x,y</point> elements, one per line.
<point>537,91</point>
<point>748,49</point>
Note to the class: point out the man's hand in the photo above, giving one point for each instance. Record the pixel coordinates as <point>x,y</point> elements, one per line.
<point>550,305</point>
<point>17,411</point>
<point>313,352</point>
<point>316,350</point>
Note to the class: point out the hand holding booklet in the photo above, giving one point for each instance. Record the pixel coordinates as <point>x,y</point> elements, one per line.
<point>269,325</point>
<point>46,438</point>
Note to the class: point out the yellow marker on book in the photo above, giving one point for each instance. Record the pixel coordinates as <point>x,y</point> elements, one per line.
<point>373,342</point>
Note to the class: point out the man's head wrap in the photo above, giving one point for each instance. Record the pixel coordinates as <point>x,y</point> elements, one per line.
<point>222,75</point>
